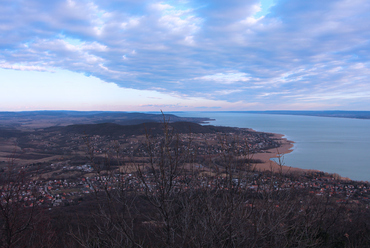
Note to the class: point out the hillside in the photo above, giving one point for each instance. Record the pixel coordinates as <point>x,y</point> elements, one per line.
<point>153,128</point>
<point>42,119</point>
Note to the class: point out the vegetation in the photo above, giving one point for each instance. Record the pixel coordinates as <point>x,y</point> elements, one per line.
<point>168,199</point>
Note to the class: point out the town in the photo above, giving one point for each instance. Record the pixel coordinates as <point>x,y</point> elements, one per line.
<point>80,165</point>
<point>157,184</point>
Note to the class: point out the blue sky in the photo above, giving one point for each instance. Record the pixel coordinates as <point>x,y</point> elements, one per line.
<point>144,55</point>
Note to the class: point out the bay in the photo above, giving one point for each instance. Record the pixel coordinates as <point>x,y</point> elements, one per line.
<point>334,145</point>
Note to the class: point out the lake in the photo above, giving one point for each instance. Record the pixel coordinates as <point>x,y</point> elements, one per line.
<point>334,145</point>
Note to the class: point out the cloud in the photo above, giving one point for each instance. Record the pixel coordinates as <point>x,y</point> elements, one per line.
<point>225,50</point>
<point>225,78</point>
<point>227,92</point>
<point>205,107</point>
<point>20,67</point>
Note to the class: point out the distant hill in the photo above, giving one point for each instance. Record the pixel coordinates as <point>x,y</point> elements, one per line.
<point>152,128</point>
<point>8,133</point>
<point>42,119</point>
<point>324,113</point>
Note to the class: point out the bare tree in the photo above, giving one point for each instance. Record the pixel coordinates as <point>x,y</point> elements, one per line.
<point>17,214</point>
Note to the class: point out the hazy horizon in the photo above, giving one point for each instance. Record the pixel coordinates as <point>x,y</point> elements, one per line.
<point>185,55</point>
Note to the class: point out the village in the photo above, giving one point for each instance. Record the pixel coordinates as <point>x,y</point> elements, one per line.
<point>84,168</point>
<point>54,193</point>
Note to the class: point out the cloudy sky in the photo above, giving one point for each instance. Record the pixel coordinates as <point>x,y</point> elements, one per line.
<point>142,55</point>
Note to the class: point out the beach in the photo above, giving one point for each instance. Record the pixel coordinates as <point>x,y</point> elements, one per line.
<point>276,153</point>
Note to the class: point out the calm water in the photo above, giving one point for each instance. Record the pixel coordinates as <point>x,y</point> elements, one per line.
<point>335,145</point>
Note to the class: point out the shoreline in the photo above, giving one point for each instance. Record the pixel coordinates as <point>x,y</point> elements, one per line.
<point>275,153</point>
<point>270,165</point>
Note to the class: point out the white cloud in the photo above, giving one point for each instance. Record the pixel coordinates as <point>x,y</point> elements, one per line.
<point>227,92</point>
<point>250,20</point>
<point>21,67</point>
<point>161,6</point>
<point>131,23</point>
<point>225,78</point>
<point>94,46</point>
<point>222,49</point>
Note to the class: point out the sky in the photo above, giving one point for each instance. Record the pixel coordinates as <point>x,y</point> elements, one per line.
<point>184,55</point>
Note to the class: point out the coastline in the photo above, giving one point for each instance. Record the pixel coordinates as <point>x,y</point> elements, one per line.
<point>275,153</point>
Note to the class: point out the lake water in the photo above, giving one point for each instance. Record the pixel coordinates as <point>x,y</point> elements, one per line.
<point>335,145</point>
